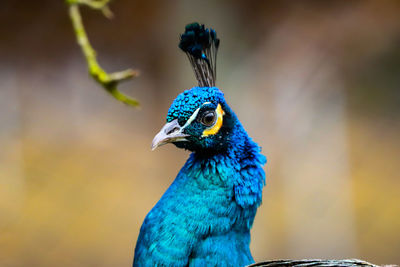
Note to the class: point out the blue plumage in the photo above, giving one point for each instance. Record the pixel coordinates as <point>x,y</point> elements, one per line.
<point>187,102</point>
<point>205,216</point>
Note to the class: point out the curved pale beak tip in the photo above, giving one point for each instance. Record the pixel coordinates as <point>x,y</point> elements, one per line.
<point>158,140</point>
<point>154,145</point>
<point>170,132</point>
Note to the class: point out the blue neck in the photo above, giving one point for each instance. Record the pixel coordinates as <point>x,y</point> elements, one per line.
<point>239,166</point>
<point>205,216</point>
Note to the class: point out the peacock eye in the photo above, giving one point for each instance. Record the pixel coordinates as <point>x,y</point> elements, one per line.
<point>208,118</point>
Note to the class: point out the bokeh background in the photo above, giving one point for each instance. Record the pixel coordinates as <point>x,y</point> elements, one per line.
<point>315,83</point>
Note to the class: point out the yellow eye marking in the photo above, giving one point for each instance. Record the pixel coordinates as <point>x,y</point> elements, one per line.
<point>218,124</point>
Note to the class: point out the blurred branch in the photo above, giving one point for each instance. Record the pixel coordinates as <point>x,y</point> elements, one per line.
<point>109,81</point>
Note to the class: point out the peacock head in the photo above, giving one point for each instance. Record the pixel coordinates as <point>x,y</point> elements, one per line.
<point>199,118</point>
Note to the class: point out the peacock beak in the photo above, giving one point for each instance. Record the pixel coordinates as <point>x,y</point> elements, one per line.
<point>171,132</point>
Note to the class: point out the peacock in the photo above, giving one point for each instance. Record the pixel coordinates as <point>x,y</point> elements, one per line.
<point>205,216</point>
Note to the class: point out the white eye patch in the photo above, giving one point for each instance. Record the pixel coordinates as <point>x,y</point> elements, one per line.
<point>194,115</point>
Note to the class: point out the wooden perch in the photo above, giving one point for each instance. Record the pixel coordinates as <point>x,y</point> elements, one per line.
<point>316,263</point>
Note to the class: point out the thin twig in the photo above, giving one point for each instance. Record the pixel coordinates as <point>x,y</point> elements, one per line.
<point>108,81</point>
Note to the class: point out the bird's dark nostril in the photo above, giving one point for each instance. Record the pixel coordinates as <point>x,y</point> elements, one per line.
<point>175,129</point>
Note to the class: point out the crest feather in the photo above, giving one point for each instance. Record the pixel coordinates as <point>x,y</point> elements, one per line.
<point>201,46</point>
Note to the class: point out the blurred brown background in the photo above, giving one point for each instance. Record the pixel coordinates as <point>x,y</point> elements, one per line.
<point>315,83</point>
